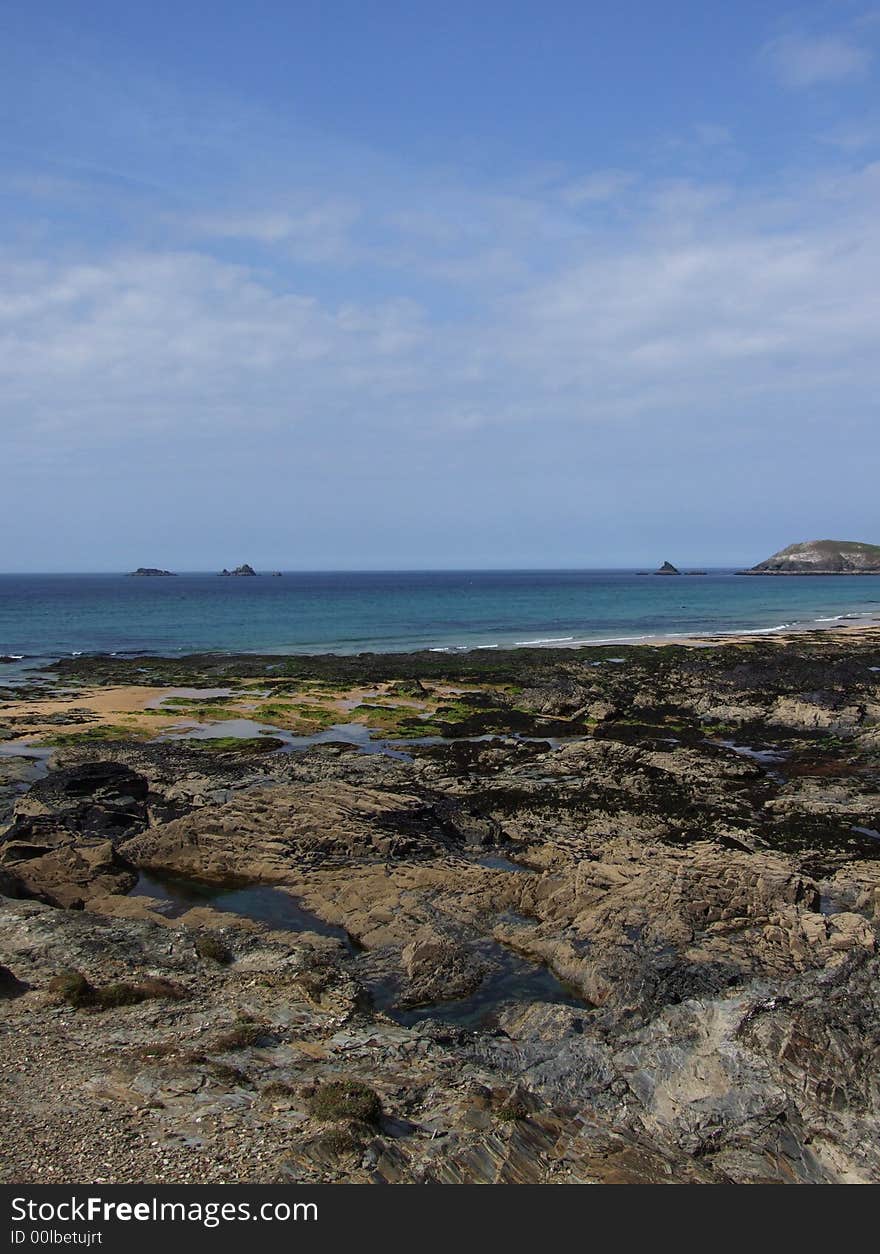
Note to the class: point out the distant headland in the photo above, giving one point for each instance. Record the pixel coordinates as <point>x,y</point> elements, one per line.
<point>821,557</point>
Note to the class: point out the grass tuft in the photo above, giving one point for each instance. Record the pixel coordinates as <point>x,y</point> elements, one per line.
<point>73,989</point>
<point>210,946</point>
<point>336,1101</point>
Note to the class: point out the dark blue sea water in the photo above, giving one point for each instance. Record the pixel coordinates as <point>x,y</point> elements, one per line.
<point>53,615</point>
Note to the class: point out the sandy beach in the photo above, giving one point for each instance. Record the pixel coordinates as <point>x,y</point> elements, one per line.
<point>143,712</point>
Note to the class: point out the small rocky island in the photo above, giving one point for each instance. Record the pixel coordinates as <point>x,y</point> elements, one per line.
<point>239,570</point>
<point>668,569</point>
<point>152,571</point>
<point>821,557</point>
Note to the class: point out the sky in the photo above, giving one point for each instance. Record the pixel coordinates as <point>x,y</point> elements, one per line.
<point>324,284</point>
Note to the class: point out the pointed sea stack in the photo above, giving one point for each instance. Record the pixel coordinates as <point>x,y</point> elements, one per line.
<point>667,569</point>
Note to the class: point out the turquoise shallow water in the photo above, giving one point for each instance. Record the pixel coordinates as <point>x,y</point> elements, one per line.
<point>53,615</point>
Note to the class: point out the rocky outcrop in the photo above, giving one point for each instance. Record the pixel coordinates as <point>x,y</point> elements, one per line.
<point>667,569</point>
<point>152,571</point>
<point>239,570</point>
<point>61,844</point>
<point>643,950</point>
<point>16,776</point>
<point>70,874</point>
<point>10,985</point>
<point>104,799</point>
<point>266,833</point>
<point>763,1081</point>
<point>822,557</point>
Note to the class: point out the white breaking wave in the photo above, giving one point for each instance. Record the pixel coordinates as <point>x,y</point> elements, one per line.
<point>613,639</point>
<point>753,631</point>
<point>543,640</point>
<point>798,624</point>
<point>836,618</point>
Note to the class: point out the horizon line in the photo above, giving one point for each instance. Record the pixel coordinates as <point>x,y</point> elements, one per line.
<point>390,570</point>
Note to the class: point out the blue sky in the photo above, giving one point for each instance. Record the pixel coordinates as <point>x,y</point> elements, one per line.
<point>417,285</point>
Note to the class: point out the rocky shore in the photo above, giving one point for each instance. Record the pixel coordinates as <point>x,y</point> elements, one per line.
<point>587,915</point>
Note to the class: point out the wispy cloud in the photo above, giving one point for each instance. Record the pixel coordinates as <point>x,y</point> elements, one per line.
<point>138,344</point>
<point>854,135</point>
<point>603,185</point>
<point>292,304</point>
<point>312,232</point>
<point>801,60</point>
<point>710,299</point>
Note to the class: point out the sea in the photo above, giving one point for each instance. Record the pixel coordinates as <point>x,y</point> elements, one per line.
<point>50,616</point>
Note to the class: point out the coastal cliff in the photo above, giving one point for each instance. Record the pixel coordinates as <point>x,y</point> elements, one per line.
<point>821,557</point>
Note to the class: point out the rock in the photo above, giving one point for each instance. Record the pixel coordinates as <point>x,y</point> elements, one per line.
<point>10,884</point>
<point>822,557</point>
<point>60,847</point>
<point>17,775</point>
<point>151,571</point>
<point>667,569</point>
<point>438,969</point>
<point>10,986</point>
<point>239,570</point>
<point>407,688</point>
<point>645,951</point>
<point>71,874</point>
<point>268,833</point>
<point>103,799</point>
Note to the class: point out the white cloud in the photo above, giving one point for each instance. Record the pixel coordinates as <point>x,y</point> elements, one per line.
<point>682,201</point>
<point>853,136</point>
<point>711,135</point>
<point>602,185</point>
<point>164,338</point>
<point>809,61</point>
<point>703,299</point>
<point>317,232</point>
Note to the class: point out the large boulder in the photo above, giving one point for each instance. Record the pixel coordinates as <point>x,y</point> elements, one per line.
<point>73,873</point>
<point>61,846</point>
<point>105,799</point>
<point>10,985</point>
